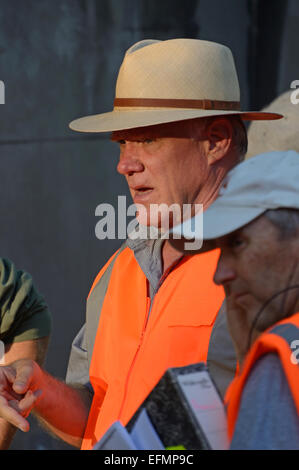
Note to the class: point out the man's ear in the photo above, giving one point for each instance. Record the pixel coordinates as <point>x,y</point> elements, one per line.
<point>219,134</point>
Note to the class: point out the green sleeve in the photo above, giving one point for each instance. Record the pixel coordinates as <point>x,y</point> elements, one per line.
<point>23,312</point>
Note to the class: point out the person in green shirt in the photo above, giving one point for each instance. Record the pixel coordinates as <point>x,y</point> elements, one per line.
<point>25,325</point>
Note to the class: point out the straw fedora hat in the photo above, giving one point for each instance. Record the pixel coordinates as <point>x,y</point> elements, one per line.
<point>168,81</point>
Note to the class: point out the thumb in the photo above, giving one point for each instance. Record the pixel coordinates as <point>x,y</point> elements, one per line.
<point>24,376</point>
<point>28,402</point>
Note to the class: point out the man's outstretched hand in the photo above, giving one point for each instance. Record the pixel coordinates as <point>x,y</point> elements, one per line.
<point>19,391</point>
<point>62,408</point>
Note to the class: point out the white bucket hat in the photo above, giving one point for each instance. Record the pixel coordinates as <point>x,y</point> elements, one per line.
<point>283,135</point>
<point>169,81</point>
<point>266,181</point>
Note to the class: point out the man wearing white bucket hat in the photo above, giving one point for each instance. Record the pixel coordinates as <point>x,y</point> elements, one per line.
<point>178,121</point>
<point>255,223</point>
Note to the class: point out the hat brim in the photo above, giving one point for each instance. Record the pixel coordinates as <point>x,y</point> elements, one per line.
<point>132,118</point>
<point>218,221</point>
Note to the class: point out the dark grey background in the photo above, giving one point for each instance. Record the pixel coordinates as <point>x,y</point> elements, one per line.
<point>59,60</point>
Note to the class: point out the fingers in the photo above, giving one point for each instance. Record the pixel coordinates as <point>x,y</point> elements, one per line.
<point>9,373</point>
<point>10,414</point>
<point>18,394</point>
<point>7,377</point>
<point>15,411</point>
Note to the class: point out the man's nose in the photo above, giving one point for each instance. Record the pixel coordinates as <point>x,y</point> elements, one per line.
<point>129,161</point>
<point>224,272</point>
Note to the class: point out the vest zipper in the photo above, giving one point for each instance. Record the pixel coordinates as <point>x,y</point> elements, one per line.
<point>148,306</point>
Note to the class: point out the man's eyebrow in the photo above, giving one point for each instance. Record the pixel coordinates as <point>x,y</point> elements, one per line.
<point>119,137</point>
<point>118,141</point>
<point>235,233</point>
<point>123,138</point>
<point>230,236</point>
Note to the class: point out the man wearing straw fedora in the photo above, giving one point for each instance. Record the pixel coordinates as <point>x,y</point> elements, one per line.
<point>178,122</point>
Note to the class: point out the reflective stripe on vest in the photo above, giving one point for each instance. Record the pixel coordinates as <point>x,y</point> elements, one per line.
<point>278,339</point>
<point>131,351</point>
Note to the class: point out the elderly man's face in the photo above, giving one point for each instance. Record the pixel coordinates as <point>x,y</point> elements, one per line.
<point>162,165</point>
<point>254,265</point>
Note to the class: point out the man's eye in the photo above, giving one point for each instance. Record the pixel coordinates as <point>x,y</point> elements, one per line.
<point>236,242</point>
<point>147,141</point>
<point>143,141</point>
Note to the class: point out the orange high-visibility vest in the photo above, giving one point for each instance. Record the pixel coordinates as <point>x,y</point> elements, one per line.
<point>136,341</point>
<point>277,339</point>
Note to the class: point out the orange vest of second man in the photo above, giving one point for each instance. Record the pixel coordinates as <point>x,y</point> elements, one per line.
<point>277,339</point>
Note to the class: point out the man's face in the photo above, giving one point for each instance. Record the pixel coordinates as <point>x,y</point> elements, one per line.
<point>162,165</point>
<point>254,265</point>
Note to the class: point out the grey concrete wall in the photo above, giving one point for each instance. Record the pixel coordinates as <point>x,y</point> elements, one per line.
<point>59,60</point>
<point>227,22</point>
<point>289,57</point>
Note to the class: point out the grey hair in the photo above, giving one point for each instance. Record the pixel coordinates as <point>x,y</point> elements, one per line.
<point>240,135</point>
<point>286,220</point>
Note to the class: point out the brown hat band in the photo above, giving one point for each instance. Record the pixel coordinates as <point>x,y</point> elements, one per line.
<point>177,103</point>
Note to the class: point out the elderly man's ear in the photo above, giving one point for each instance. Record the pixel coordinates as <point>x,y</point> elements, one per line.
<point>219,134</point>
